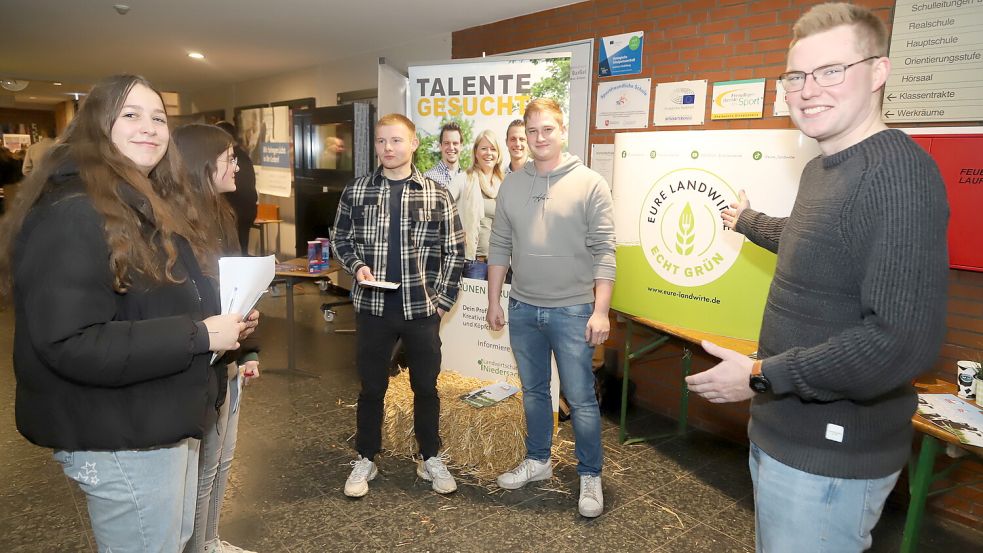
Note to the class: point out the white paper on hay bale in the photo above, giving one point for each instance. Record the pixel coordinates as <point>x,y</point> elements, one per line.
<point>483,442</point>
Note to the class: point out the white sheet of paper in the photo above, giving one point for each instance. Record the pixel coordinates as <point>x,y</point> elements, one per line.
<point>385,285</point>
<point>243,280</point>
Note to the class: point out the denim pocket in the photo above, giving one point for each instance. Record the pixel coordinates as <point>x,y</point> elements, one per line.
<point>514,304</point>
<point>583,310</point>
<point>65,458</point>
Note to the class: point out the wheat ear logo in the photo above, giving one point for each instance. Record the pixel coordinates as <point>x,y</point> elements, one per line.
<point>681,231</point>
<point>687,231</point>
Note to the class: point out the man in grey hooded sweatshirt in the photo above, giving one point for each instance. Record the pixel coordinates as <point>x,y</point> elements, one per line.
<point>554,223</point>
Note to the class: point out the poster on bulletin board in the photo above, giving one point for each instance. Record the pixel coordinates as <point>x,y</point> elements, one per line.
<point>676,263</point>
<point>621,55</point>
<point>623,104</point>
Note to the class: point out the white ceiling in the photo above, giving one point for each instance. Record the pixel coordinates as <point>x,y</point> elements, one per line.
<point>80,41</point>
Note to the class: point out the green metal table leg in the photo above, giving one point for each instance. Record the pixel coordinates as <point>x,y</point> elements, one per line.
<point>626,368</point>
<point>623,433</point>
<point>684,392</point>
<point>920,480</point>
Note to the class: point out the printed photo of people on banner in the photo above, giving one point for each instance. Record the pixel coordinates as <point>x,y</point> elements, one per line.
<point>468,118</point>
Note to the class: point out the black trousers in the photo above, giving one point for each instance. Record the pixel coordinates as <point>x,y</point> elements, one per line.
<point>376,338</point>
<point>244,221</point>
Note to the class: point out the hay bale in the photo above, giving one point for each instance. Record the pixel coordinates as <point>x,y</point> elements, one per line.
<point>481,442</point>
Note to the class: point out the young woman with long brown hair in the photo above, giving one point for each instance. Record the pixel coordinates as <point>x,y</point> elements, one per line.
<point>115,320</point>
<point>209,159</point>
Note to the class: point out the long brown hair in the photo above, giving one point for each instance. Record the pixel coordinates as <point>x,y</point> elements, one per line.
<point>200,145</point>
<point>102,167</point>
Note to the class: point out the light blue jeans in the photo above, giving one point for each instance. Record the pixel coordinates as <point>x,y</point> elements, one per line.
<point>535,332</point>
<point>217,450</point>
<point>140,501</point>
<point>807,513</point>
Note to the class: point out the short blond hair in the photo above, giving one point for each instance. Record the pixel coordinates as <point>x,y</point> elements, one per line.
<point>869,29</point>
<point>547,105</point>
<point>396,119</point>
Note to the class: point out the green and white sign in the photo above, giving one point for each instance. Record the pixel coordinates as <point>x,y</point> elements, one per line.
<point>676,262</point>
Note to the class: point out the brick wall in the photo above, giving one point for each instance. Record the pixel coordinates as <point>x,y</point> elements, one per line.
<point>720,40</point>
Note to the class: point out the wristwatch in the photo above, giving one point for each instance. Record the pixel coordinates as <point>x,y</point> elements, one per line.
<point>759,382</point>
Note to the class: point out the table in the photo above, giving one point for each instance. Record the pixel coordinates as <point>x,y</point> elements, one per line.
<point>289,278</point>
<point>261,225</point>
<point>662,332</point>
<point>921,469</point>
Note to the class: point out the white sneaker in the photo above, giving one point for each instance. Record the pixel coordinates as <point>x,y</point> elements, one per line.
<point>434,470</point>
<point>529,470</point>
<point>357,484</point>
<point>591,497</point>
<point>226,547</point>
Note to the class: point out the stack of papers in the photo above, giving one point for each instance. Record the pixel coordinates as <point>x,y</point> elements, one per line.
<point>489,395</point>
<point>385,285</point>
<point>243,280</point>
<point>954,415</point>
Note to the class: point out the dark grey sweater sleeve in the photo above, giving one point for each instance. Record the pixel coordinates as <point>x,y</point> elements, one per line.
<point>896,233</point>
<point>760,228</point>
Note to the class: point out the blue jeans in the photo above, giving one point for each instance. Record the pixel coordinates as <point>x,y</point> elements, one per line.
<point>803,512</point>
<point>139,501</point>
<point>475,269</point>
<point>217,450</point>
<point>535,332</point>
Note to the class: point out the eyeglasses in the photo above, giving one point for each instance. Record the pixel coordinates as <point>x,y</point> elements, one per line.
<point>232,160</point>
<point>827,75</point>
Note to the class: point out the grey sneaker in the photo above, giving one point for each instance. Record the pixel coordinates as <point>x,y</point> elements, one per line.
<point>226,547</point>
<point>529,470</point>
<point>363,472</point>
<point>435,471</point>
<point>591,497</point>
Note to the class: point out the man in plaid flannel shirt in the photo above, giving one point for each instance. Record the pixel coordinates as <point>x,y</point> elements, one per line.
<point>397,225</point>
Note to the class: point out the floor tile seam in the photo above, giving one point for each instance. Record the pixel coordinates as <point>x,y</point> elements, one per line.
<point>677,510</point>
<point>665,547</point>
<point>726,531</point>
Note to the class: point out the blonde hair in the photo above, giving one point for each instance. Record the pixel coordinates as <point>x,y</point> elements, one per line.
<point>396,119</point>
<point>547,105</point>
<point>489,136</point>
<point>869,30</point>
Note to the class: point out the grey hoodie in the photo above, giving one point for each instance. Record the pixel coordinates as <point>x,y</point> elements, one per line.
<point>558,230</point>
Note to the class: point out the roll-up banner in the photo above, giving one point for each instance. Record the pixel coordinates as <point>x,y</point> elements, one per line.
<point>676,263</point>
<point>480,94</point>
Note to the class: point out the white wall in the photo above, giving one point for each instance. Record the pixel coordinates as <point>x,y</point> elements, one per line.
<point>323,83</point>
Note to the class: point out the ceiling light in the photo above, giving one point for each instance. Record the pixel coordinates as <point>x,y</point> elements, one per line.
<point>196,55</point>
<point>14,85</point>
<point>121,9</point>
<point>56,83</point>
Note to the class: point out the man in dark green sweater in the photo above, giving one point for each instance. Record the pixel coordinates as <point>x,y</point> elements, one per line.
<point>857,306</point>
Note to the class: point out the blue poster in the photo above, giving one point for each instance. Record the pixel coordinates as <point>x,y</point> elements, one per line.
<point>621,55</point>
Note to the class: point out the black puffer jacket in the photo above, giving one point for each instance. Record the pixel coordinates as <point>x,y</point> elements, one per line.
<point>99,370</point>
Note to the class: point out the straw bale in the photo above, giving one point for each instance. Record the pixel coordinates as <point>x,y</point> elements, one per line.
<point>482,442</point>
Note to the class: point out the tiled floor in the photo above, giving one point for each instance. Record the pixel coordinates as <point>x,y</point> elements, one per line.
<point>688,494</point>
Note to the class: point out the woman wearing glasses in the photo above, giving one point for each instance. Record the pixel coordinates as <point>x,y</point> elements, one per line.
<point>211,165</point>
<point>114,317</point>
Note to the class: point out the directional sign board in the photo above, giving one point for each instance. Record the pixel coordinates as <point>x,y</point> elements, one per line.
<point>936,62</point>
